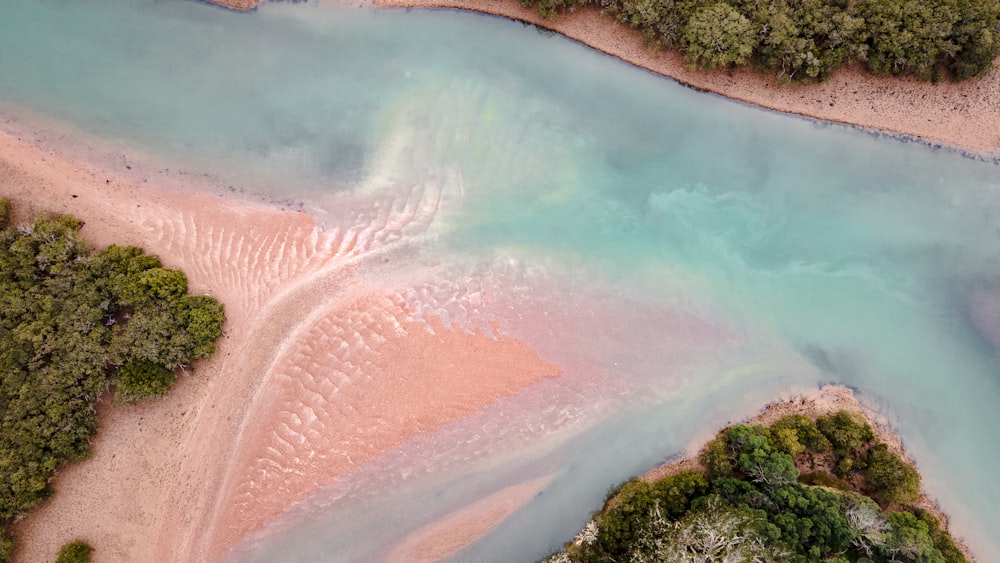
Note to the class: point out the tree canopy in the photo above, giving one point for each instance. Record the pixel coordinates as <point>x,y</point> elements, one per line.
<point>808,39</point>
<point>74,323</point>
<point>750,503</point>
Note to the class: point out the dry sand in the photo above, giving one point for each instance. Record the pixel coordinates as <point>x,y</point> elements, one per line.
<point>965,115</point>
<point>183,478</point>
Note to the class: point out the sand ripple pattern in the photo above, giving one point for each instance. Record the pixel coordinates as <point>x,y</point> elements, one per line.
<point>361,380</point>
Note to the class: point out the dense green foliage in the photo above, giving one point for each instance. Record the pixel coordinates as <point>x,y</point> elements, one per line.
<point>6,545</point>
<point>890,477</point>
<point>806,39</point>
<point>75,552</point>
<point>72,324</point>
<point>846,432</point>
<point>752,505</point>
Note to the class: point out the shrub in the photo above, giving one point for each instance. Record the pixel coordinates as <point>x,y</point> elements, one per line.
<point>806,432</point>
<point>5,209</point>
<point>676,492</point>
<point>846,431</point>
<point>843,467</point>
<point>977,36</point>
<point>718,35</point>
<point>549,9</point>
<point>6,545</point>
<point>71,319</point>
<point>910,537</point>
<point>620,525</point>
<point>751,447</point>
<point>907,36</point>
<point>786,440</point>
<point>141,379</point>
<point>75,552</point>
<point>821,479</point>
<point>892,478</point>
<point>715,458</point>
<point>942,539</point>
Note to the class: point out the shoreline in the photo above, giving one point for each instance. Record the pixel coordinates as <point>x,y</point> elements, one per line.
<point>961,116</point>
<point>827,399</point>
<point>174,456</point>
<point>189,465</point>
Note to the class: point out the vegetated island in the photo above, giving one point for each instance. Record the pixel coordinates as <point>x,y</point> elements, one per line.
<point>810,479</point>
<point>75,323</point>
<point>962,114</point>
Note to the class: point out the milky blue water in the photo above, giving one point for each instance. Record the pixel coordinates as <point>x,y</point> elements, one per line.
<point>815,253</point>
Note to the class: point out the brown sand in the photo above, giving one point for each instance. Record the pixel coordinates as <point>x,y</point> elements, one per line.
<point>814,403</point>
<point>458,530</point>
<point>964,115</point>
<point>162,484</point>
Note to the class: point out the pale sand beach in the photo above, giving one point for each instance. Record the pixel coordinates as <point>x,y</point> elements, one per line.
<point>965,114</point>
<point>186,477</point>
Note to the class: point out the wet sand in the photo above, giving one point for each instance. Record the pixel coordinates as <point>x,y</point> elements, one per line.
<point>964,115</point>
<point>452,533</point>
<point>183,478</point>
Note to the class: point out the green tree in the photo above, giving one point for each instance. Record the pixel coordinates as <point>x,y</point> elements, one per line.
<point>713,531</point>
<point>976,36</point>
<point>71,322</point>
<point>891,477</point>
<point>751,447</point>
<point>549,9</point>
<point>718,35</point>
<point>846,431</point>
<point>806,433</point>
<point>908,536</point>
<point>943,541</point>
<point>5,209</point>
<point>908,36</point>
<point>715,458</point>
<point>674,494</point>
<point>77,551</point>
<point>202,317</point>
<point>142,379</point>
<point>6,545</point>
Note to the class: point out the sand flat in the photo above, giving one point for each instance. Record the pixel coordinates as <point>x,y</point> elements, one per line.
<point>162,485</point>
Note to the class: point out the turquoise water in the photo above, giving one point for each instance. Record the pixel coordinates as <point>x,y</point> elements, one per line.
<point>692,256</point>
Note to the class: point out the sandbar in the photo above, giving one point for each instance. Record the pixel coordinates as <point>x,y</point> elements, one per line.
<point>185,477</point>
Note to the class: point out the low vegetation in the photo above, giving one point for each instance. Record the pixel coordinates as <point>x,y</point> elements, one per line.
<point>73,324</point>
<point>751,500</point>
<point>75,552</point>
<point>808,39</point>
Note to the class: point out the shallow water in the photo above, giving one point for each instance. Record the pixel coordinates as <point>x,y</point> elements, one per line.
<point>682,257</point>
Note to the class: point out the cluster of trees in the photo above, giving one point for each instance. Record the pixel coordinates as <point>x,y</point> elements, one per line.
<point>749,502</point>
<point>74,323</point>
<point>807,39</point>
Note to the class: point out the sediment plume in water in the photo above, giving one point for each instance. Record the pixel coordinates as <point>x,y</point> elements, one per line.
<point>678,258</point>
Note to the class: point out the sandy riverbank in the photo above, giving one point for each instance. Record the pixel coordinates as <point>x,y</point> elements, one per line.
<point>964,115</point>
<point>184,478</point>
<point>814,403</point>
